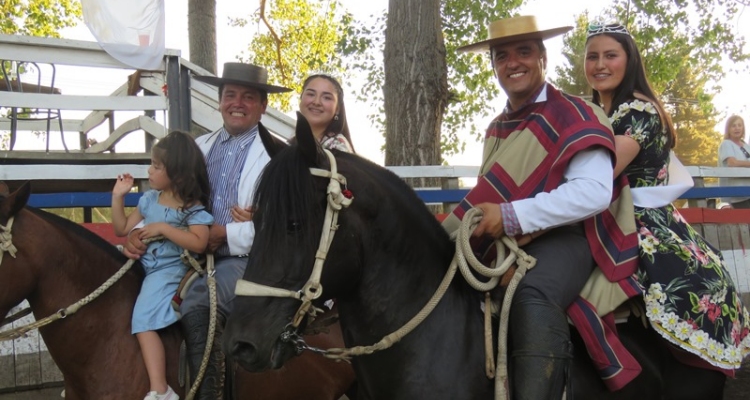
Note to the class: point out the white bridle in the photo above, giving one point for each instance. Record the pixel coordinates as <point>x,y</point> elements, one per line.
<point>312,289</point>
<point>6,240</point>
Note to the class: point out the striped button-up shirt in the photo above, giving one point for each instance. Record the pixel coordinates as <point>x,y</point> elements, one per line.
<point>225,161</point>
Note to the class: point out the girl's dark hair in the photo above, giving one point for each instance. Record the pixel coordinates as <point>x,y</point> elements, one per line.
<point>339,125</point>
<point>634,81</point>
<point>186,168</point>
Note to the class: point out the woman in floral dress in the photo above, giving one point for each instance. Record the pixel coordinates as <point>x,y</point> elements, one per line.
<point>690,298</point>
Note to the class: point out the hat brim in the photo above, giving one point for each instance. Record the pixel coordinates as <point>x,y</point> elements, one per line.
<point>218,81</point>
<point>485,45</point>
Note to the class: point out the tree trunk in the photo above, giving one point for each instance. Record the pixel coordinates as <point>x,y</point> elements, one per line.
<point>416,84</point>
<point>202,33</point>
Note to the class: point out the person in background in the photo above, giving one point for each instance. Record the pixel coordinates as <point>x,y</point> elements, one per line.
<point>734,152</point>
<point>235,156</point>
<point>322,105</point>
<point>689,295</point>
<point>175,208</point>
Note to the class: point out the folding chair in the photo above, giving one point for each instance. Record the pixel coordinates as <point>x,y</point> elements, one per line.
<point>12,73</point>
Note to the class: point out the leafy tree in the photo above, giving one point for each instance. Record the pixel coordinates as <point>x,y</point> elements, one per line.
<point>38,17</point>
<point>670,35</point>
<point>694,118</point>
<point>300,38</point>
<point>571,78</point>
<point>471,82</point>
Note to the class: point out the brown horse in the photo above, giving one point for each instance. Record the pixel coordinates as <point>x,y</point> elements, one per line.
<point>57,263</point>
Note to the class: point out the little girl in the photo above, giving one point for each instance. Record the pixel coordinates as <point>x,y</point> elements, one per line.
<point>177,209</point>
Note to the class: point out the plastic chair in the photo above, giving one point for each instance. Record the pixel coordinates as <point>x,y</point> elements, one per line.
<point>13,72</point>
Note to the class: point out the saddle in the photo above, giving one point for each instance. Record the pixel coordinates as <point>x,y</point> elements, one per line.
<point>187,281</point>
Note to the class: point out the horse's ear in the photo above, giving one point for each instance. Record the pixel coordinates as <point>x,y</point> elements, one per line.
<point>306,142</point>
<point>15,201</point>
<point>271,143</point>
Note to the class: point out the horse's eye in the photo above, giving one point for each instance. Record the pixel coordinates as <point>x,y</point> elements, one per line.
<point>293,226</point>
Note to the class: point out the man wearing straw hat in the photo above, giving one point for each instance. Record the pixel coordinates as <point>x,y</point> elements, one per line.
<point>235,154</point>
<point>546,179</point>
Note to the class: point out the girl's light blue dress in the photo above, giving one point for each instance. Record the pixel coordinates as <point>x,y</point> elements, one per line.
<point>164,269</point>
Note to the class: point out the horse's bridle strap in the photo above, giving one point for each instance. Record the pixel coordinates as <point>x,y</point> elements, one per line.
<point>312,289</point>
<point>247,288</point>
<point>6,240</point>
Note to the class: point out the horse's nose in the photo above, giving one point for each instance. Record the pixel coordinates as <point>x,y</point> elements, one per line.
<point>246,355</point>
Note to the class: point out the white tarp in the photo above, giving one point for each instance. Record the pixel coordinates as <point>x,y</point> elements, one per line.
<point>131,31</point>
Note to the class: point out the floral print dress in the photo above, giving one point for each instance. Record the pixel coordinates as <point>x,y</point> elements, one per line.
<point>336,141</point>
<point>690,297</point>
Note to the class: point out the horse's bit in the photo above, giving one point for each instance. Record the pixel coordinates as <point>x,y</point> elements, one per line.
<point>312,289</point>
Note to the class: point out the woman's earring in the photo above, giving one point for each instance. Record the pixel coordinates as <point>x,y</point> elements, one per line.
<point>336,117</point>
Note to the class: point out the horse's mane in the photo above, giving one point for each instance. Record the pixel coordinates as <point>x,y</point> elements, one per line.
<point>76,229</point>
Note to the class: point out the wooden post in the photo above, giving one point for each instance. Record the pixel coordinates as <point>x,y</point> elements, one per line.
<point>448,184</point>
<point>178,95</point>
<point>698,183</point>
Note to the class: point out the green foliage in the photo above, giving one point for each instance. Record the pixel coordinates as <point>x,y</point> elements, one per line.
<point>572,78</point>
<point>683,44</point>
<point>671,34</point>
<point>470,77</point>
<point>695,119</point>
<point>38,17</point>
<point>308,36</point>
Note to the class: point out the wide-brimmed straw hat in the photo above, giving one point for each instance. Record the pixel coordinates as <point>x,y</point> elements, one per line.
<point>513,30</point>
<point>245,75</point>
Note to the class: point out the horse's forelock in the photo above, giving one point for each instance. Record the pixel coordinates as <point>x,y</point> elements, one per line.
<point>286,194</point>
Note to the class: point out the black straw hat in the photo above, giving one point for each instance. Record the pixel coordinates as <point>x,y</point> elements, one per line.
<point>245,75</point>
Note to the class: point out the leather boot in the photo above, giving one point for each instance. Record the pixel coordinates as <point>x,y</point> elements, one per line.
<point>195,329</point>
<point>540,350</point>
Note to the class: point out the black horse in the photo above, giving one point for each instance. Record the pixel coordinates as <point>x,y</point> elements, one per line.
<point>388,256</point>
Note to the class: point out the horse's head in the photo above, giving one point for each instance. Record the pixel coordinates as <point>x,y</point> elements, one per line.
<point>38,248</point>
<point>290,205</point>
<point>379,237</point>
<point>14,276</point>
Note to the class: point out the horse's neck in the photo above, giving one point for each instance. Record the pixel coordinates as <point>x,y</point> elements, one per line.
<point>77,269</point>
<point>453,329</point>
<point>398,284</point>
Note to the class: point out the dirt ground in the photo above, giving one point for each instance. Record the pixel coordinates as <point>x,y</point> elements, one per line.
<point>735,389</point>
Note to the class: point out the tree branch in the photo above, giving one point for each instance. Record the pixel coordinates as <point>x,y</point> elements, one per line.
<point>276,39</point>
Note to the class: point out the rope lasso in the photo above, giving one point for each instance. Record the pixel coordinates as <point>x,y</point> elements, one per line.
<point>73,308</point>
<point>213,304</point>
<point>464,255</point>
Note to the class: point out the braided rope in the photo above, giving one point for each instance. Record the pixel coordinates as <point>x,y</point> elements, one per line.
<point>213,304</point>
<point>73,308</point>
<point>463,251</point>
<point>69,310</point>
